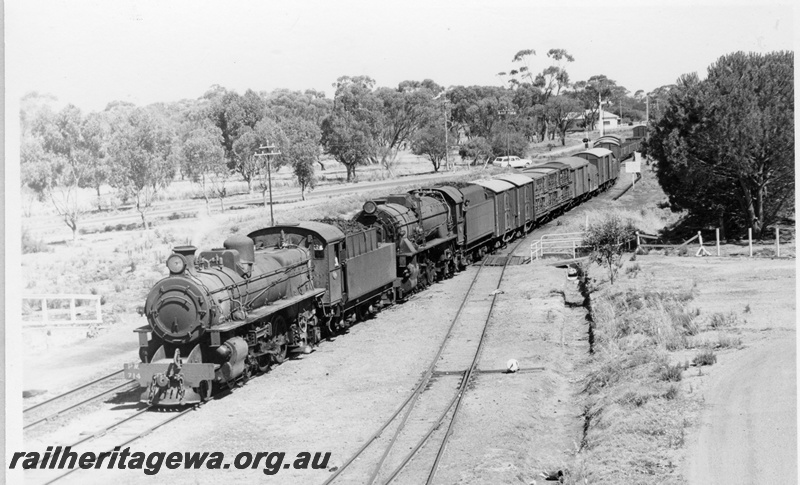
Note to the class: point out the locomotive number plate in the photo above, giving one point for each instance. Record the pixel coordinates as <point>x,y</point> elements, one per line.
<point>132,371</point>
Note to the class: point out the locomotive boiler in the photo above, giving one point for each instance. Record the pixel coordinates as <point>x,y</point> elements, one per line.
<point>422,228</point>
<point>222,315</point>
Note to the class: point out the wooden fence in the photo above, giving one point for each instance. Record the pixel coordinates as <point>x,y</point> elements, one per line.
<point>55,315</point>
<point>702,250</point>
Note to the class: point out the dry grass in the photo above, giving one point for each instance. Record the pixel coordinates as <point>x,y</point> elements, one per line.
<point>634,411</point>
<point>705,357</point>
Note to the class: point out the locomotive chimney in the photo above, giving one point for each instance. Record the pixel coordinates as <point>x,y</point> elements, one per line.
<point>188,253</point>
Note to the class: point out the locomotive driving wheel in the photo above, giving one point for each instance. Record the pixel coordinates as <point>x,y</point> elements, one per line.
<point>447,270</point>
<point>422,281</point>
<point>263,362</point>
<point>430,272</point>
<point>279,340</point>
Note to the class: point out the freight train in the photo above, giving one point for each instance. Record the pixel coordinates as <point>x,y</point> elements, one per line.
<point>225,314</point>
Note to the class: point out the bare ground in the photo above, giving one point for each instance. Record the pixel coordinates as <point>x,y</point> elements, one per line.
<point>747,429</point>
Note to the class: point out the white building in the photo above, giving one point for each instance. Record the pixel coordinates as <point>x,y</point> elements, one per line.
<point>610,120</point>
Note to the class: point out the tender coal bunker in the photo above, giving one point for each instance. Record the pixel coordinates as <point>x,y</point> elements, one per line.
<point>347,226</point>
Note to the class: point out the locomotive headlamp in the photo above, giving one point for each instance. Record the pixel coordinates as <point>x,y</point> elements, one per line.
<point>370,207</point>
<point>176,264</point>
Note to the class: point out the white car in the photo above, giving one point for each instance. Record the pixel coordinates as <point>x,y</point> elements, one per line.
<point>511,161</point>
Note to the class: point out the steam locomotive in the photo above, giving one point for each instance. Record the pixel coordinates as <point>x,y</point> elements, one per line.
<point>225,314</point>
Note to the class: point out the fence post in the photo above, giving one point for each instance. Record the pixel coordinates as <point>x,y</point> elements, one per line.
<point>778,241</point>
<point>717,230</point>
<point>99,310</point>
<point>637,240</point>
<point>44,310</point>
<point>750,238</point>
<point>700,237</point>
<point>72,315</point>
<point>573,249</point>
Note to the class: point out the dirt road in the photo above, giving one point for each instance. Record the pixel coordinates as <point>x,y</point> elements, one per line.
<point>749,430</point>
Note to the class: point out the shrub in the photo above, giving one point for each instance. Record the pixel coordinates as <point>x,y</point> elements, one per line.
<point>671,393</point>
<point>726,341</point>
<point>634,398</point>
<point>32,245</point>
<point>705,357</point>
<point>181,215</point>
<point>671,373</point>
<point>685,321</point>
<point>633,270</point>
<point>721,320</point>
<point>606,240</point>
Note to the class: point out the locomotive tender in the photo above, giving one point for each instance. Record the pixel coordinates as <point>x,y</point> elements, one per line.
<point>225,314</point>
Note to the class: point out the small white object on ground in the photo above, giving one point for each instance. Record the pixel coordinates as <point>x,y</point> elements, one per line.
<point>512,366</point>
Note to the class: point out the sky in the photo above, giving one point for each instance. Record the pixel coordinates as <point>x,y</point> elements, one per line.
<point>91,52</point>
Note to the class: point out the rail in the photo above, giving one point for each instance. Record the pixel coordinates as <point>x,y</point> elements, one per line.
<point>50,316</point>
<point>561,243</point>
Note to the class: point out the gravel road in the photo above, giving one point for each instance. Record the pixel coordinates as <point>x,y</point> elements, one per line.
<point>749,431</point>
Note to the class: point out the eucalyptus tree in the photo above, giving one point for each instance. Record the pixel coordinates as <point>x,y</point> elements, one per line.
<point>476,109</point>
<point>301,151</point>
<point>430,143</point>
<point>309,105</point>
<point>202,159</point>
<point>57,155</point>
<point>405,110</point>
<point>249,153</point>
<point>555,76</point>
<point>592,92</point>
<point>351,132</point>
<point>560,112</point>
<point>140,149</point>
<point>478,149</point>
<point>235,115</point>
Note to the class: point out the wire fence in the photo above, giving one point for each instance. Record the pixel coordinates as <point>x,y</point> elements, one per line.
<point>709,243</point>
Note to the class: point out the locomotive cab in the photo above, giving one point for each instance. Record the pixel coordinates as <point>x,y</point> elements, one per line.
<point>356,270</point>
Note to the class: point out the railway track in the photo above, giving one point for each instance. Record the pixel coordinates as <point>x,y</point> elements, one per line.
<point>56,406</point>
<point>111,437</point>
<point>433,394</point>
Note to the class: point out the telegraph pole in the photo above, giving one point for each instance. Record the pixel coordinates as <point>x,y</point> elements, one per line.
<point>446,144</point>
<point>600,101</point>
<point>505,112</point>
<point>269,151</point>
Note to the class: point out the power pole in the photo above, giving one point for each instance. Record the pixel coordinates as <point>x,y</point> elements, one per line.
<point>505,112</point>
<point>269,151</point>
<point>600,101</point>
<point>446,143</point>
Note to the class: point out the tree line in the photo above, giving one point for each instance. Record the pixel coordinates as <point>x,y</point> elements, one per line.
<point>140,150</point>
